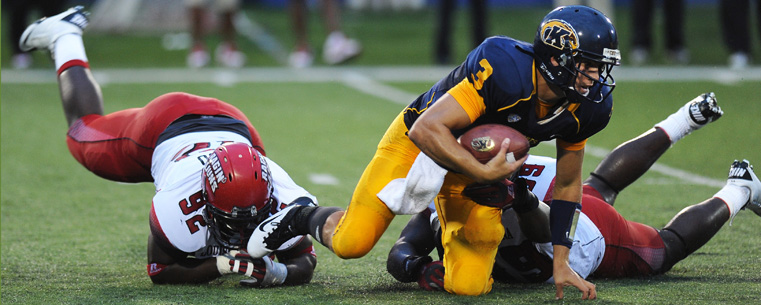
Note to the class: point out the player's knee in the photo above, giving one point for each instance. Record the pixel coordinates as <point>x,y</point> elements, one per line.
<point>466,277</point>
<point>348,244</point>
<point>675,250</point>
<point>352,249</point>
<point>485,235</point>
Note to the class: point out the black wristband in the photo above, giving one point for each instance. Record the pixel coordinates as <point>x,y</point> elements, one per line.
<point>562,221</point>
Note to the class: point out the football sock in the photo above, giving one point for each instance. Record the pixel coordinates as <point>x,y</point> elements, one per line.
<point>310,220</point>
<point>735,196</point>
<point>679,124</point>
<point>68,50</point>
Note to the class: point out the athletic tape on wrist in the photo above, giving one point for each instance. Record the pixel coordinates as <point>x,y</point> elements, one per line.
<point>563,218</point>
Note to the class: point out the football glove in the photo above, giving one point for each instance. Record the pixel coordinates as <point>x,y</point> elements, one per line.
<point>498,194</point>
<point>263,271</point>
<point>432,277</point>
<point>411,268</point>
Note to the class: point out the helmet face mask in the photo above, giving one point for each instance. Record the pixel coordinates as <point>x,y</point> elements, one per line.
<point>237,188</point>
<point>232,230</point>
<point>569,36</point>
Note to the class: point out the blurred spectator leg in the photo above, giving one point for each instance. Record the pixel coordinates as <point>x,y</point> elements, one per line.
<point>443,51</point>
<point>301,57</point>
<point>479,21</point>
<point>198,56</point>
<point>734,25</point>
<point>642,23</point>
<point>337,48</point>
<point>227,53</point>
<point>676,51</point>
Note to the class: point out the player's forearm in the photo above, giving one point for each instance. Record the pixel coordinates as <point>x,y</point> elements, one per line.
<point>436,141</point>
<point>560,256</point>
<point>300,270</point>
<point>193,271</point>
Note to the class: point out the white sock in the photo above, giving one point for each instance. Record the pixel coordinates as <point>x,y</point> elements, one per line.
<point>67,48</point>
<point>735,196</point>
<point>677,125</point>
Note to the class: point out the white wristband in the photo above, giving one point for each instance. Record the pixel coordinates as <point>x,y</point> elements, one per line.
<point>276,273</point>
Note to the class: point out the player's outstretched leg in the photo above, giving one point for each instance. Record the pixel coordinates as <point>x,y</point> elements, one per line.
<point>62,36</point>
<point>695,225</point>
<point>630,160</point>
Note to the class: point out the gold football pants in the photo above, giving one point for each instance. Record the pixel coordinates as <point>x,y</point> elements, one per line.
<point>367,217</point>
<point>471,233</point>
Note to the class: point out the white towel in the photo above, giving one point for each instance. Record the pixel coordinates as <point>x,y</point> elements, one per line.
<point>411,195</point>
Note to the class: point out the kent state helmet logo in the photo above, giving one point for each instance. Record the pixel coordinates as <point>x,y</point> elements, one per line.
<point>559,34</point>
<point>482,144</point>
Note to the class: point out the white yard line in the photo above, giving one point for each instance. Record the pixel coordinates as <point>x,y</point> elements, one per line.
<point>369,80</point>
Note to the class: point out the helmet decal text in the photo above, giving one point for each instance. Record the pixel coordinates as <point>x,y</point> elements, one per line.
<point>214,172</point>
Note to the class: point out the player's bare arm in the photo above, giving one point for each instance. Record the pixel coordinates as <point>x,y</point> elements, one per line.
<point>568,188</point>
<point>568,179</point>
<point>171,266</point>
<point>432,133</point>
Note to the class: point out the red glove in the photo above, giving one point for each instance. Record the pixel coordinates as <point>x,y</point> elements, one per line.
<point>432,277</point>
<point>498,194</point>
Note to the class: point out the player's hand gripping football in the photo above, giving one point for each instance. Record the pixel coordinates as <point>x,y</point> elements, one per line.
<point>263,271</point>
<point>432,277</point>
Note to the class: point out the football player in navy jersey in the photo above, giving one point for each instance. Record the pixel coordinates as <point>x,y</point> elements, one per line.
<point>557,88</point>
<point>605,244</point>
<point>214,183</point>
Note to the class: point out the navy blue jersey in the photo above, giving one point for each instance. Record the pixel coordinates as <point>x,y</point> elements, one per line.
<point>497,84</point>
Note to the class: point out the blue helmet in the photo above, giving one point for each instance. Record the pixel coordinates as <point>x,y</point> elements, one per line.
<point>575,34</point>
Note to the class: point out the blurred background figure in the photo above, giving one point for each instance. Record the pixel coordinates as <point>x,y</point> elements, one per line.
<point>443,51</point>
<point>20,14</point>
<point>735,26</point>
<point>642,24</point>
<point>337,48</point>
<point>227,53</point>
<point>604,6</point>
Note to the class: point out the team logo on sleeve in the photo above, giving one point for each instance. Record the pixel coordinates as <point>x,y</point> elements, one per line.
<point>560,35</point>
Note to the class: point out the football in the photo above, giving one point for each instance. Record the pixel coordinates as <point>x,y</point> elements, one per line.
<point>483,142</point>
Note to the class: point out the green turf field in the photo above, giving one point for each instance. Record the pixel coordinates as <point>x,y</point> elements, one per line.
<point>68,236</point>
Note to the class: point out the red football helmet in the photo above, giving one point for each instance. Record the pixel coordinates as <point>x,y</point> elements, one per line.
<point>237,187</point>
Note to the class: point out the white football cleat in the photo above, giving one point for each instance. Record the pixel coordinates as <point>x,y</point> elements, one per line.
<point>229,57</point>
<point>44,32</point>
<point>276,232</point>
<point>300,59</point>
<point>741,174</point>
<point>339,49</point>
<point>702,110</point>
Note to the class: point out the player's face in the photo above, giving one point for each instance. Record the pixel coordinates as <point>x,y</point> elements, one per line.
<point>585,79</point>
